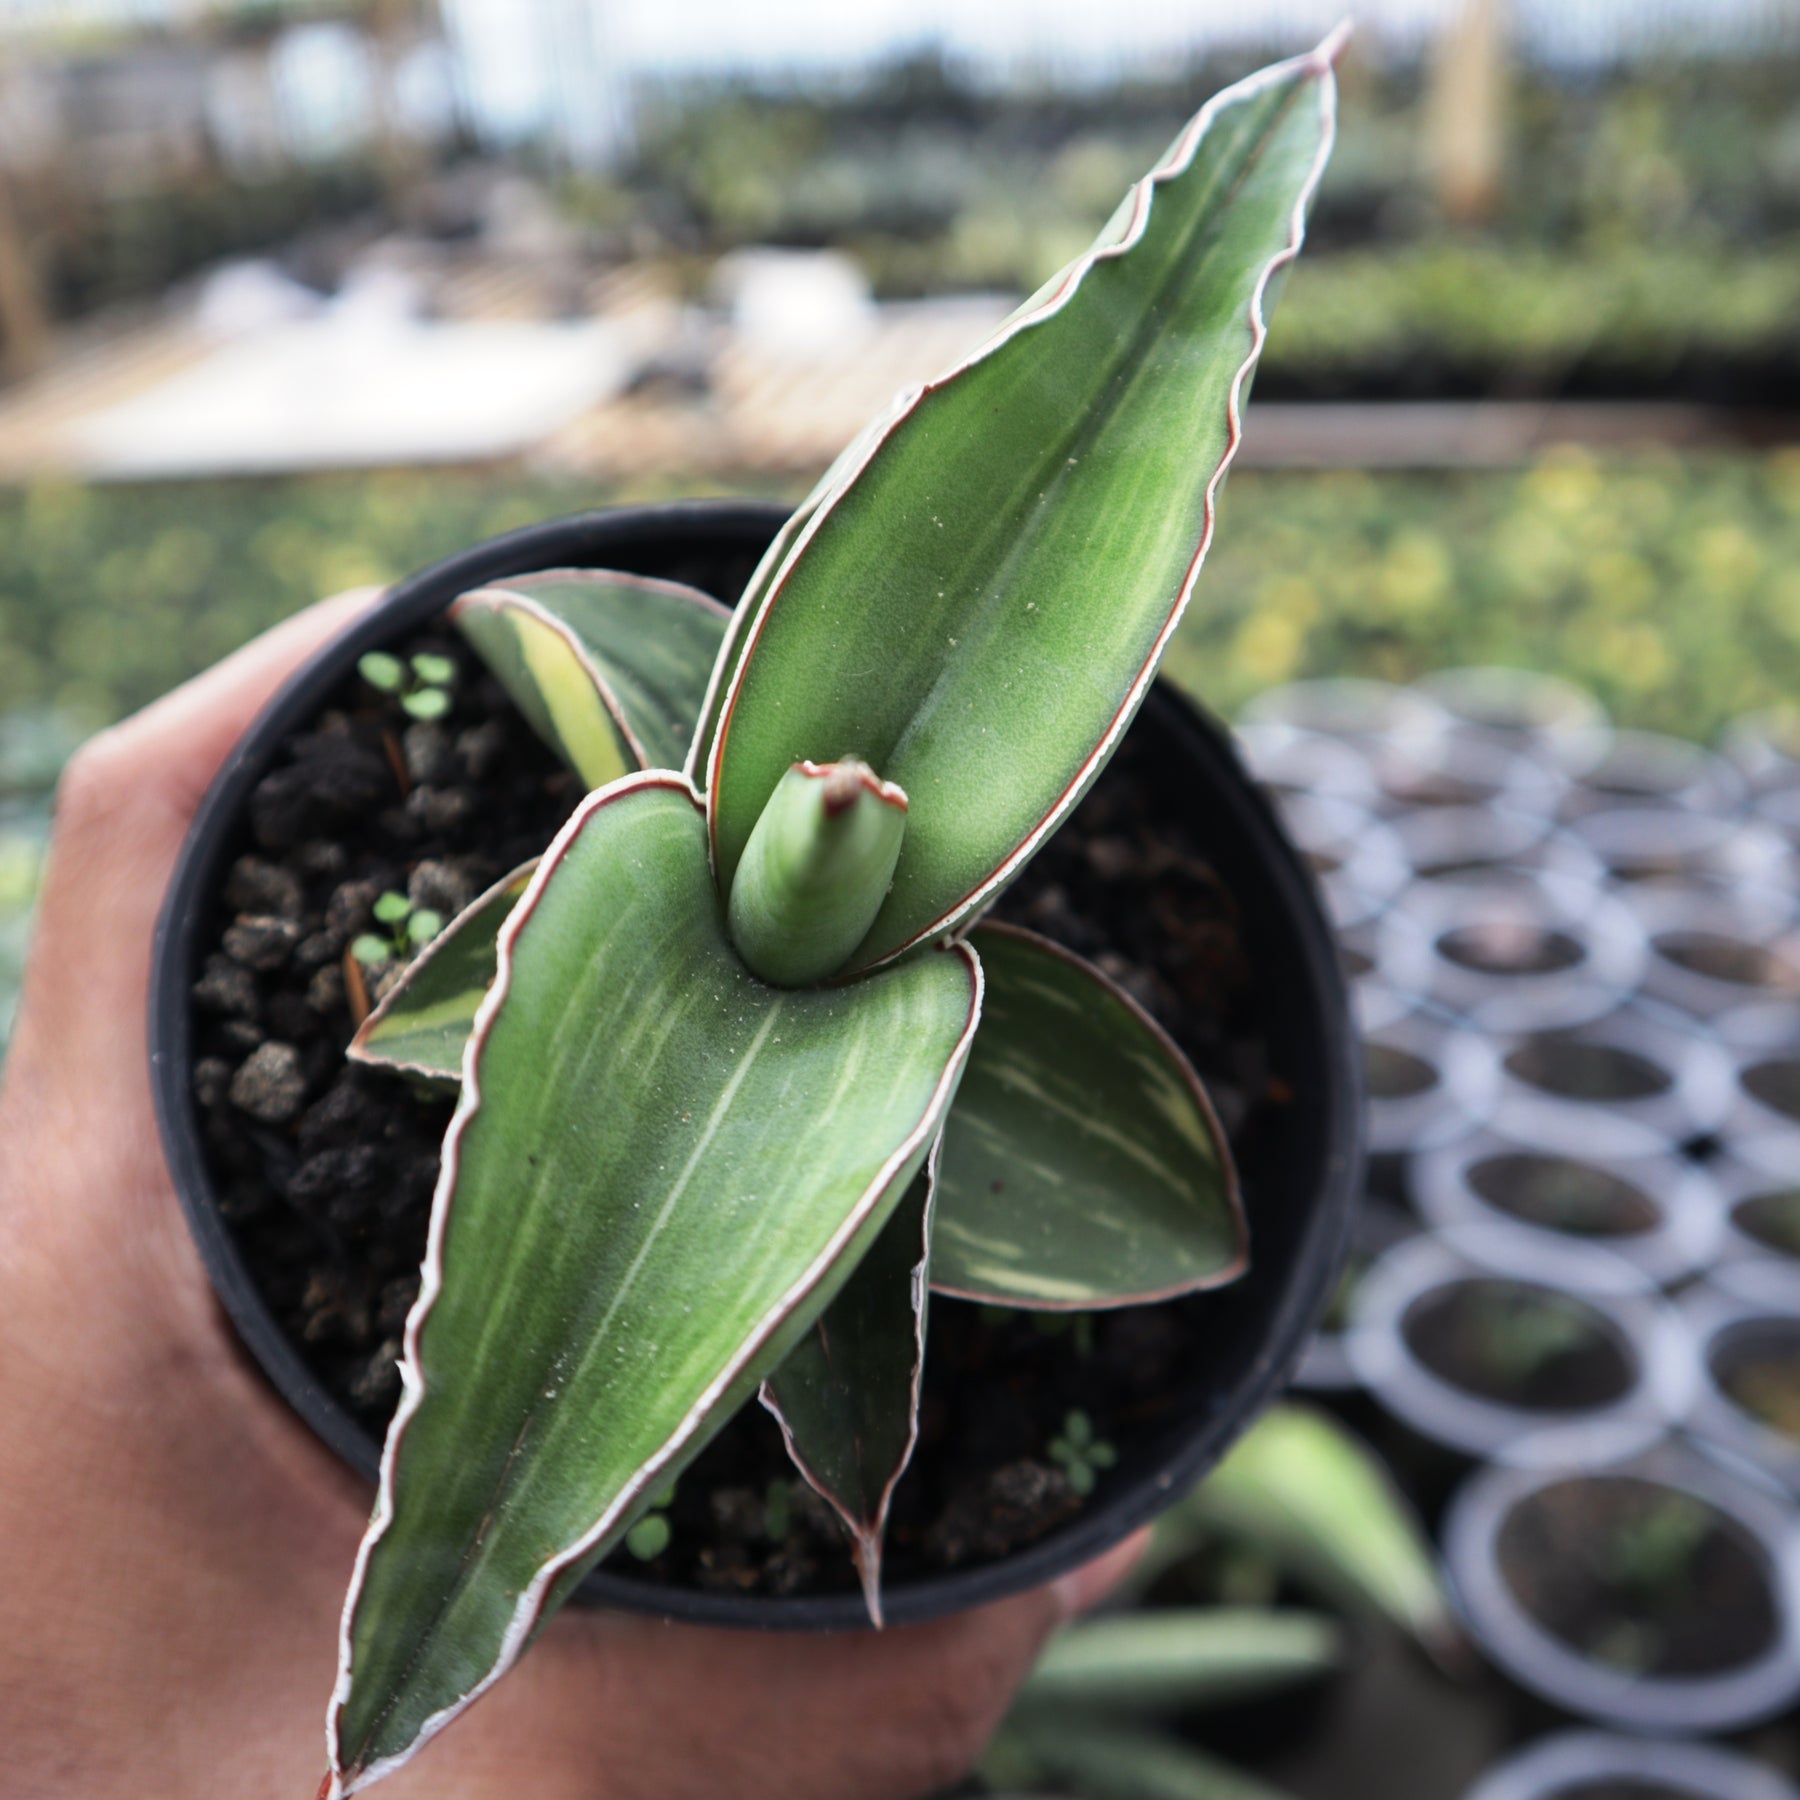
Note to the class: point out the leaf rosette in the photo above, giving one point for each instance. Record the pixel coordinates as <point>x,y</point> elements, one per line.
<point>741,1077</point>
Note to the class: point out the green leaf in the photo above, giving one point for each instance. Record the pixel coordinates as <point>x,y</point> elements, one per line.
<point>390,908</point>
<point>438,670</point>
<point>423,1021</point>
<point>381,671</point>
<point>659,1173</point>
<point>425,703</point>
<point>1173,1658</point>
<point>1099,1759</point>
<point>977,608</point>
<point>815,871</point>
<point>1322,1504</point>
<point>756,592</point>
<point>1082,1166</point>
<point>847,1397</point>
<point>610,669</point>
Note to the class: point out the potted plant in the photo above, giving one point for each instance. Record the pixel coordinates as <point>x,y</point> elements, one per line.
<point>1476,1339</point>
<point>1654,1592</point>
<point>1630,1193</point>
<point>717,1073</point>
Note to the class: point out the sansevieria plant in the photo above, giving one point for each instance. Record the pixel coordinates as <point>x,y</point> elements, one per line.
<point>743,1074</point>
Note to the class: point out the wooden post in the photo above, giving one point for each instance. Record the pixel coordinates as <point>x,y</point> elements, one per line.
<point>24,320</point>
<point>1465,122</point>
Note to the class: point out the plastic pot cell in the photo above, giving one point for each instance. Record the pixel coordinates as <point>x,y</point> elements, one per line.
<point>1479,1339</point>
<point>1603,1765</point>
<point>1518,951</point>
<point>1640,1063</point>
<point>1655,1593</point>
<point>1358,864</point>
<point>1651,846</point>
<point>1458,769</point>
<point>1712,950</point>
<point>1763,1041</point>
<point>1380,1225</point>
<point>1300,1178</point>
<point>1290,761</point>
<point>1428,1081</point>
<point>1765,747</point>
<point>1747,1398</point>
<point>1373,714</point>
<point>1646,768</point>
<point>1758,1187</point>
<point>1643,1201</point>
<point>1467,843</point>
<point>1525,712</point>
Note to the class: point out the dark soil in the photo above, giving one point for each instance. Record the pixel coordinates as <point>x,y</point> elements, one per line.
<point>1575,1069</point>
<point>1562,1194</point>
<point>1723,958</point>
<point>325,1171</point>
<point>1757,1364</point>
<point>1644,1578</point>
<point>1520,1345</point>
<point>1624,1790</point>
<point>1776,1083</point>
<point>1392,1074</point>
<point>1498,948</point>
<point>1772,1219</point>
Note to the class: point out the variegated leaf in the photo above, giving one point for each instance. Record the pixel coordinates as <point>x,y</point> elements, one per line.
<point>1172,1657</point>
<point>422,1023</point>
<point>1083,1166</point>
<point>977,604</point>
<point>610,669</point>
<point>847,1397</point>
<point>659,1173</point>
<point>1308,1492</point>
<point>1102,1758</point>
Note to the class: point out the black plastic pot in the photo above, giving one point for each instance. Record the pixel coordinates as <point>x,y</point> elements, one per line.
<point>1300,1186</point>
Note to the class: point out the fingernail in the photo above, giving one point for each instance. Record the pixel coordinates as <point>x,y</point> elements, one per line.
<point>1081,1590</point>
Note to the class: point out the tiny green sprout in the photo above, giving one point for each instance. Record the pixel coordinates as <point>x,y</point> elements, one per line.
<point>1081,1454</point>
<point>379,670</point>
<point>410,929</point>
<point>651,1535</point>
<point>422,685</point>
<point>778,1512</point>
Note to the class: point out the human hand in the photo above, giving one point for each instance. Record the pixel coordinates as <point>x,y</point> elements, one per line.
<point>177,1544</point>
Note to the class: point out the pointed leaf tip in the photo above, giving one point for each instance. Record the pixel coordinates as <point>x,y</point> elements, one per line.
<point>1041,508</point>
<point>610,669</point>
<point>847,1396</point>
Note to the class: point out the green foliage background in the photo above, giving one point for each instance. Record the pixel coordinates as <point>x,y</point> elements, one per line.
<point>1670,587</point>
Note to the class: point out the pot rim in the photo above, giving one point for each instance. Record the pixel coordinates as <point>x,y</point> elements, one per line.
<point>1569,1759</point>
<point>614,537</point>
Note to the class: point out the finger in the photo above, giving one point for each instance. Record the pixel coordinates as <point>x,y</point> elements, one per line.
<point>1085,1588</point>
<point>122,810</point>
<point>891,1713</point>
